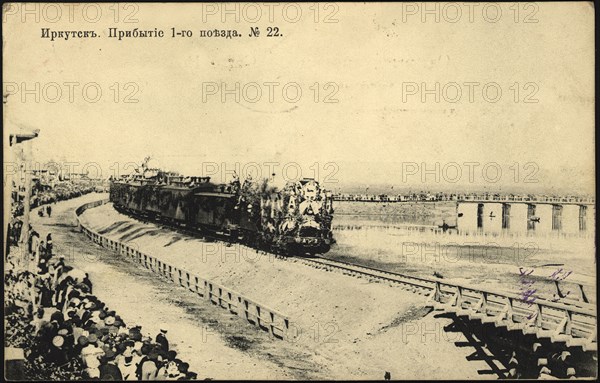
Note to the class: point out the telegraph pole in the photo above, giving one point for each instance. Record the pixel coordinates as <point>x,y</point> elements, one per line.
<point>27,200</point>
<point>25,139</point>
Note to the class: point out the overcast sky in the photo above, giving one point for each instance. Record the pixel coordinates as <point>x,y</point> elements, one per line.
<point>379,128</point>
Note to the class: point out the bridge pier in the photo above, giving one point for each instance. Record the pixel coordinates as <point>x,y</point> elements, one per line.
<point>557,217</point>
<point>530,214</point>
<point>568,217</point>
<point>583,217</point>
<point>506,216</point>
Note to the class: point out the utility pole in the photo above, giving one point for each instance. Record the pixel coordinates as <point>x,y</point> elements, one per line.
<point>27,200</point>
<point>25,139</point>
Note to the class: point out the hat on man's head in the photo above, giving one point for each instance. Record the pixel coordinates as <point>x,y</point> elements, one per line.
<point>145,349</point>
<point>93,338</point>
<point>83,341</point>
<point>135,334</point>
<point>121,347</point>
<point>57,316</point>
<point>110,320</point>
<point>109,354</point>
<point>58,341</point>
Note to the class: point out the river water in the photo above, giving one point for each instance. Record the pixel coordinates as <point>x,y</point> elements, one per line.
<point>480,245</point>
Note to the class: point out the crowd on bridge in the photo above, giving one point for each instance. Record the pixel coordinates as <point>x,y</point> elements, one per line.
<point>66,332</point>
<point>425,196</point>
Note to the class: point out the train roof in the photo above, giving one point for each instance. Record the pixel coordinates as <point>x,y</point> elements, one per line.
<point>214,194</point>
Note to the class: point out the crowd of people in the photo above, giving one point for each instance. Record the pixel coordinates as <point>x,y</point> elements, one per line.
<point>44,195</point>
<point>67,332</point>
<point>62,191</point>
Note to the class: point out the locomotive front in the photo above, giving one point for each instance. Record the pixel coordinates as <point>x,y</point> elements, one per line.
<point>298,219</point>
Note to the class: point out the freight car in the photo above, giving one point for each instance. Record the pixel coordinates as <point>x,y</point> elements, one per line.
<point>293,221</point>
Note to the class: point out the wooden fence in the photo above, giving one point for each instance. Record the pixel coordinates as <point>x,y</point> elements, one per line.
<point>263,317</point>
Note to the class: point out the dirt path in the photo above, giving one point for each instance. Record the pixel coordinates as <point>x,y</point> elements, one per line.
<point>216,344</point>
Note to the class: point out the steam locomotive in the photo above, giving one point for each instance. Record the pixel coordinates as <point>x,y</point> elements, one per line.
<point>293,221</point>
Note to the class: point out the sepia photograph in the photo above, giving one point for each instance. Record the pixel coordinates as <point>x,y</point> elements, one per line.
<point>291,191</point>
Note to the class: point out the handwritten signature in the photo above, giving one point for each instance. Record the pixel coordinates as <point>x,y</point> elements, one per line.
<point>528,292</point>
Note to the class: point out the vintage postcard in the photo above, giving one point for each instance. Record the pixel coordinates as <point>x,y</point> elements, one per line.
<point>299,191</point>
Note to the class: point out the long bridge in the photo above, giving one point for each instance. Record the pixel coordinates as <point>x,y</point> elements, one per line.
<point>551,200</point>
<point>471,197</point>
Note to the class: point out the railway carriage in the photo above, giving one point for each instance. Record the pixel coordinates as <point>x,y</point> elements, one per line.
<point>294,221</point>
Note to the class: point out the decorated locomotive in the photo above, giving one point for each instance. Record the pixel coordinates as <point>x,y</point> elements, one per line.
<point>293,221</point>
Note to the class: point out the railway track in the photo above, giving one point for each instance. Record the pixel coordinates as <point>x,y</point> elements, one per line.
<point>572,321</point>
<point>556,340</point>
<point>419,285</point>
